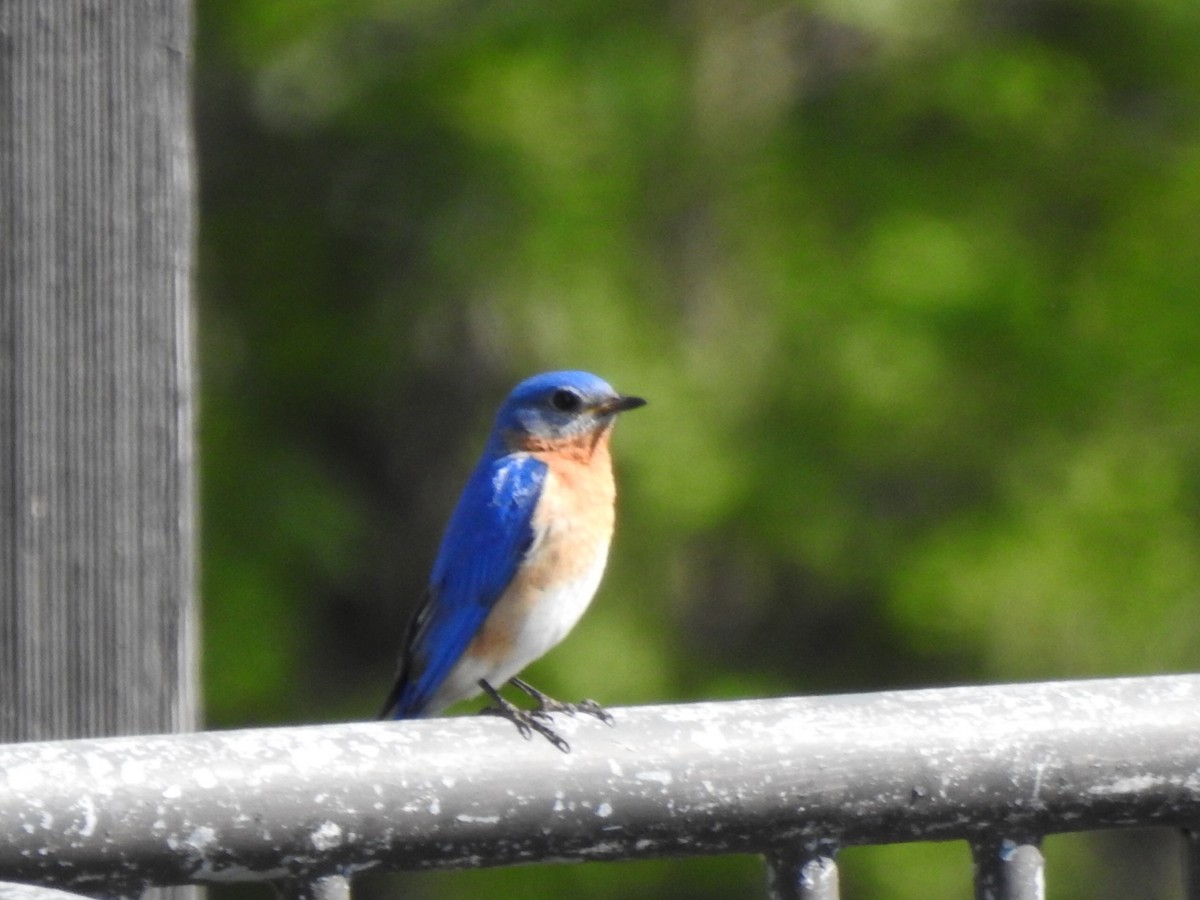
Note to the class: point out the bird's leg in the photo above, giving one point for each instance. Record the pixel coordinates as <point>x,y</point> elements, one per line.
<point>527,721</point>
<point>547,704</point>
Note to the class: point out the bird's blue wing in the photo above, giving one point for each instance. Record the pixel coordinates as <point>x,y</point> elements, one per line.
<point>488,535</point>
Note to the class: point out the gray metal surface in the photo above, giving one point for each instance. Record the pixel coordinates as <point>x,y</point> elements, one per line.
<point>808,876</point>
<point>1008,869</point>
<point>767,776</point>
<point>12,891</point>
<point>329,887</point>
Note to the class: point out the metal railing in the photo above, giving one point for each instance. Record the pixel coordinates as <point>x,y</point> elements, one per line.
<point>791,779</point>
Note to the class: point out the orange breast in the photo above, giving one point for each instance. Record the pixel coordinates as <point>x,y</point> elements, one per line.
<point>572,527</point>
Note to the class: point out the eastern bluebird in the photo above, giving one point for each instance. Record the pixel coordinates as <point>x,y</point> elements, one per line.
<point>522,555</point>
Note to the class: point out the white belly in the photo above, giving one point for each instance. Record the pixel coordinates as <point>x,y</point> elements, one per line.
<point>543,621</point>
<point>551,619</point>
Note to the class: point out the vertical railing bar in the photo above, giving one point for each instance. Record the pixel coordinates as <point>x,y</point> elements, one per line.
<point>803,875</point>
<point>1009,869</point>
<point>326,887</point>
<point>1191,863</point>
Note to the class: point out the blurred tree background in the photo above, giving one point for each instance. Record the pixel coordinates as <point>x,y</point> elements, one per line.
<point>911,287</point>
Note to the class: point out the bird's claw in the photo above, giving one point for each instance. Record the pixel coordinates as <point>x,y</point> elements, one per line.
<point>527,721</point>
<point>547,704</point>
<point>594,709</point>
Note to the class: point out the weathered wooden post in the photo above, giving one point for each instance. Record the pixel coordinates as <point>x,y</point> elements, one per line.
<point>97,498</point>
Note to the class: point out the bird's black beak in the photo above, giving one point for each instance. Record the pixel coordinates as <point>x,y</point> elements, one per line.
<point>616,405</point>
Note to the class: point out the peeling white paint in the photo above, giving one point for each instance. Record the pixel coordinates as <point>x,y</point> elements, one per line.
<point>88,807</point>
<point>314,755</point>
<point>200,838</point>
<point>658,775</point>
<point>23,778</point>
<point>99,767</point>
<point>133,771</point>
<point>1130,785</point>
<point>327,836</point>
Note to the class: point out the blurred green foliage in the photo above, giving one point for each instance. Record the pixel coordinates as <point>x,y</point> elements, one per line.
<point>912,289</point>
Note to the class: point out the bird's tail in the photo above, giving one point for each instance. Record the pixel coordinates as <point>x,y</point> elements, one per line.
<point>392,707</point>
<point>397,706</point>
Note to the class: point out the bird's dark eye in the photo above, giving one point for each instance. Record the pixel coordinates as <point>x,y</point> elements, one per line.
<point>566,401</point>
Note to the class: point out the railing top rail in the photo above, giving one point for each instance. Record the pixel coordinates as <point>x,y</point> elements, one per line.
<point>747,776</point>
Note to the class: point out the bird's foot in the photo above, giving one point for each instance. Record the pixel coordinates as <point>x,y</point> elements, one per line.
<point>527,721</point>
<point>547,704</point>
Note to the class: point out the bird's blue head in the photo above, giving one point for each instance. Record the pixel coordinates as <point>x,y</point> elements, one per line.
<point>557,407</point>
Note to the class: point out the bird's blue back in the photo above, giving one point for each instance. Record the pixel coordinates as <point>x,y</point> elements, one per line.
<point>488,534</point>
